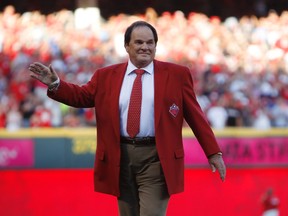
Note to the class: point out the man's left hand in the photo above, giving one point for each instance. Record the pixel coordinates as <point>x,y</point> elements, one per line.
<point>216,162</point>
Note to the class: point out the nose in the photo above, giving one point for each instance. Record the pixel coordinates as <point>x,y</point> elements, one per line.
<point>144,46</point>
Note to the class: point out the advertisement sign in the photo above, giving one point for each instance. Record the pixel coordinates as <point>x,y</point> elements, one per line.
<point>242,151</point>
<point>64,148</point>
<point>16,153</point>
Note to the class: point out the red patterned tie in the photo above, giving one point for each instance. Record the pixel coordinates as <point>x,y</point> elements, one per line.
<point>133,119</point>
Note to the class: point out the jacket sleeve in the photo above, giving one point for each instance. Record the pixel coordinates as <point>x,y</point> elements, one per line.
<point>196,118</point>
<point>75,95</point>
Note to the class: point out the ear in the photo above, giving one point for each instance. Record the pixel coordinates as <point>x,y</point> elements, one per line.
<point>126,47</point>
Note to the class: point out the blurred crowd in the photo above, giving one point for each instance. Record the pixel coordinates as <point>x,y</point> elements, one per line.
<point>239,66</point>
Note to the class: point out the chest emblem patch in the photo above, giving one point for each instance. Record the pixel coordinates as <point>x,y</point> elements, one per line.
<point>174,110</point>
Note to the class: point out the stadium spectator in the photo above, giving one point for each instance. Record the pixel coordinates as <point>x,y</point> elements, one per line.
<point>270,203</point>
<point>217,115</point>
<point>246,57</point>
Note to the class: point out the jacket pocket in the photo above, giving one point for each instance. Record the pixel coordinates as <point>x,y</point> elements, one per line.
<point>100,155</point>
<point>179,153</point>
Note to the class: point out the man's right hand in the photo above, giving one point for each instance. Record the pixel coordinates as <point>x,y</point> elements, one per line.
<point>44,74</point>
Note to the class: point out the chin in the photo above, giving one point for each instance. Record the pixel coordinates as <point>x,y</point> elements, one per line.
<point>144,62</point>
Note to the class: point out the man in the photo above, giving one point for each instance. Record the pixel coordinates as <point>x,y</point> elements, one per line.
<point>270,203</point>
<point>145,168</point>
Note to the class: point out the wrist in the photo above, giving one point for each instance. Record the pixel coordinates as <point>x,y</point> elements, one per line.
<point>218,153</point>
<point>54,85</point>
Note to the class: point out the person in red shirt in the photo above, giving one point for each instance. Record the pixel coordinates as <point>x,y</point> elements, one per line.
<point>270,203</point>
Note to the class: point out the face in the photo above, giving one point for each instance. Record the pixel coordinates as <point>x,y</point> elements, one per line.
<point>142,47</point>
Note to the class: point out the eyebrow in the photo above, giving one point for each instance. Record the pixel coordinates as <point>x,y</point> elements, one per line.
<point>139,40</point>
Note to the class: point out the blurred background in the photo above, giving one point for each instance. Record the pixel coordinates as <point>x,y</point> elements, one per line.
<point>237,52</point>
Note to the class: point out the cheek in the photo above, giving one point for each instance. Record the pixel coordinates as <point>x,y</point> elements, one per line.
<point>153,49</point>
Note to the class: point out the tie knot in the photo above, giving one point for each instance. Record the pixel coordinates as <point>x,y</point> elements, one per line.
<point>139,71</point>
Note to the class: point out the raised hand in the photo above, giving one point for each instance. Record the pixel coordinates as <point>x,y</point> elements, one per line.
<point>44,74</point>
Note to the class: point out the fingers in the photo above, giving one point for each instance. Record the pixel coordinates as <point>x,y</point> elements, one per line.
<point>34,72</point>
<point>222,172</point>
<point>213,168</point>
<point>38,69</point>
<point>40,72</point>
<point>34,76</point>
<point>44,74</point>
<point>217,163</point>
<point>39,65</point>
<point>222,169</point>
<point>52,70</point>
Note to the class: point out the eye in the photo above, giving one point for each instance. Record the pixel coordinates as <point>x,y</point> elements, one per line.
<point>150,42</point>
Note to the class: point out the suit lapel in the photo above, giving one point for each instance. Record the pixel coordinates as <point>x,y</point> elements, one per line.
<point>115,86</point>
<point>160,79</point>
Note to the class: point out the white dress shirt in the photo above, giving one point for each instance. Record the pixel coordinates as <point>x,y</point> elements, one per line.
<point>147,106</point>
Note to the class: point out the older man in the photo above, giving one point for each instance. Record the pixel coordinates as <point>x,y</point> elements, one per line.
<point>140,106</point>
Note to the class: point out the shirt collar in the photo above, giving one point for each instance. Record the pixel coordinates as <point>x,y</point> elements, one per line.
<point>149,68</point>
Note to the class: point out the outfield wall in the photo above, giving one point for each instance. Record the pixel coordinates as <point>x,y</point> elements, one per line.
<point>75,148</point>
<point>47,172</point>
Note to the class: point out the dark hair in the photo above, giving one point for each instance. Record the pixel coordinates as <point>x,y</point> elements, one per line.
<point>127,36</point>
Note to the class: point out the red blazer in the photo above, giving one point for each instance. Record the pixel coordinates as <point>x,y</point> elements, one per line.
<point>174,99</point>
